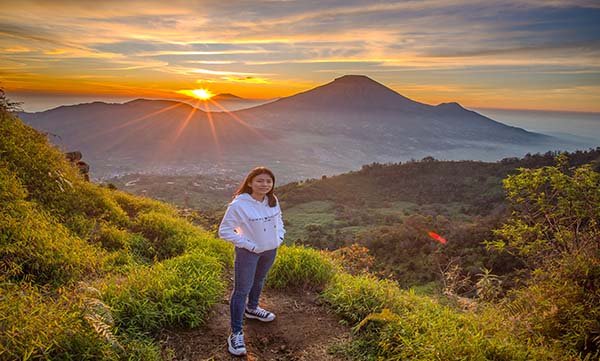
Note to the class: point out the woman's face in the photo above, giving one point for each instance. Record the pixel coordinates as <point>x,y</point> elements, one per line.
<point>261,184</point>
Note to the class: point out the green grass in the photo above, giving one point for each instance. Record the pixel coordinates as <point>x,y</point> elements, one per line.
<point>177,292</point>
<point>152,269</point>
<point>35,247</point>
<point>35,326</point>
<point>397,208</point>
<point>393,324</point>
<point>298,217</point>
<point>300,267</point>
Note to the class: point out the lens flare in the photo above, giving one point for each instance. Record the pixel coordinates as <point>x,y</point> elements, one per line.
<point>437,237</point>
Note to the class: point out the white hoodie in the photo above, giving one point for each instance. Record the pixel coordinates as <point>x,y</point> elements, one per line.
<point>252,225</point>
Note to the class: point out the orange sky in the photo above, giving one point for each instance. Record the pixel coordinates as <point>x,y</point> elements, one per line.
<point>518,54</point>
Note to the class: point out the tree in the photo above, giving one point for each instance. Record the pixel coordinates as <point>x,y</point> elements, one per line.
<point>555,229</point>
<point>555,211</point>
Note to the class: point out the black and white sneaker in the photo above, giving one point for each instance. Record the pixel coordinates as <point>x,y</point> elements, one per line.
<point>236,344</point>
<point>260,314</point>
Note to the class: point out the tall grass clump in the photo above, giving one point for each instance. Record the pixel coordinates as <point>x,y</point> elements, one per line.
<point>355,297</point>
<point>300,267</point>
<point>34,246</point>
<point>135,205</point>
<point>172,236</point>
<point>393,324</point>
<point>176,292</point>
<point>37,327</point>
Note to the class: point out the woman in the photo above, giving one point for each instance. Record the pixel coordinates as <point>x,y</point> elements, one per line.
<point>253,223</point>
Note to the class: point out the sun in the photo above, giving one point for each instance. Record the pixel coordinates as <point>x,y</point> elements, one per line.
<point>203,94</point>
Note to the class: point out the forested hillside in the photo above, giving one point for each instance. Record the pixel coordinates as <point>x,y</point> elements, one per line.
<point>390,208</point>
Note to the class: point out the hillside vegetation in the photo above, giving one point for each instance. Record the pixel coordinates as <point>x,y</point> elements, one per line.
<point>89,272</point>
<point>92,273</point>
<point>389,208</point>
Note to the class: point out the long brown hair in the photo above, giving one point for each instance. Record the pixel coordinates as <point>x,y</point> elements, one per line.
<point>245,188</point>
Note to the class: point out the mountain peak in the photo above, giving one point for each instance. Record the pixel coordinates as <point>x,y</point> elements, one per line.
<point>227,96</point>
<point>353,78</point>
<point>349,93</point>
<point>450,105</point>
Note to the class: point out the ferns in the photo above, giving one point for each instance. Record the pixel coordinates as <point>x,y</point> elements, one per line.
<point>98,315</point>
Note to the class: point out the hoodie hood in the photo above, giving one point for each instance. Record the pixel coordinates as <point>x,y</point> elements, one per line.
<point>245,197</point>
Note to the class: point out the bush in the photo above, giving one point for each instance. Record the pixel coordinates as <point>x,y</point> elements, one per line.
<point>558,304</point>
<point>56,229</point>
<point>300,267</point>
<point>11,189</point>
<point>218,248</point>
<point>437,332</point>
<point>555,229</point>
<point>355,259</point>
<point>169,236</point>
<point>176,292</point>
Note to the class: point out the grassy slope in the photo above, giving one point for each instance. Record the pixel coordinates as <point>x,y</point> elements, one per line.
<point>89,272</point>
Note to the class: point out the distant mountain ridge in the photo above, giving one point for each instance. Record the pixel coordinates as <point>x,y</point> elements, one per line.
<point>359,103</point>
<point>335,127</point>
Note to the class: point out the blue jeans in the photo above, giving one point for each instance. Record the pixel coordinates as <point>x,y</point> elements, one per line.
<point>250,271</point>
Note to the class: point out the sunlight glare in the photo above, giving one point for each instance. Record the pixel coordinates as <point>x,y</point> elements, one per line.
<point>203,94</point>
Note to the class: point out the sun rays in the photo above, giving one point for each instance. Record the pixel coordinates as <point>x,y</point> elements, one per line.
<point>183,126</point>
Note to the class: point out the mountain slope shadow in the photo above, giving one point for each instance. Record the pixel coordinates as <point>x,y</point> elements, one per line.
<point>303,330</point>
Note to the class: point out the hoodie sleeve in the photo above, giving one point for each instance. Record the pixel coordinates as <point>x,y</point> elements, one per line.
<point>280,228</point>
<point>227,230</point>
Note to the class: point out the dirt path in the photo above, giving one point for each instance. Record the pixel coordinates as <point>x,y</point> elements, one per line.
<point>303,330</point>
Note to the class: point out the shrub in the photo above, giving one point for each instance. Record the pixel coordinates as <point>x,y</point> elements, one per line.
<point>555,229</point>
<point>50,180</point>
<point>176,292</point>
<point>11,189</point>
<point>301,267</point>
<point>218,248</point>
<point>438,332</point>
<point>355,259</point>
<point>558,304</point>
<point>142,249</point>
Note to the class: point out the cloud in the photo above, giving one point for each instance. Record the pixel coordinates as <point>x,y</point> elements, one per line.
<point>299,42</point>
